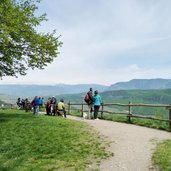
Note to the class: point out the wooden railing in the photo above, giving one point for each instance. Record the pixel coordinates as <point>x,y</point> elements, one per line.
<point>128,113</point>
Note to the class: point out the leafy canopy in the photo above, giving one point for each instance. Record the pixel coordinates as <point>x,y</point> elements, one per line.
<point>21,46</point>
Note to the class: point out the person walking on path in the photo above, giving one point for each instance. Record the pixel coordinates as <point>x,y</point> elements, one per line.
<point>97,103</point>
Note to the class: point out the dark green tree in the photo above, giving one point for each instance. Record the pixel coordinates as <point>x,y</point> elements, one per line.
<point>21,46</point>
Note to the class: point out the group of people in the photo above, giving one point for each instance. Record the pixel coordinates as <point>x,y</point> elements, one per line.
<point>36,105</point>
<point>26,104</point>
<point>21,103</point>
<point>55,108</point>
<point>93,100</point>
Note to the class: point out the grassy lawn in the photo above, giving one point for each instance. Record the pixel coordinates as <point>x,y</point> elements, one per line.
<point>43,143</point>
<point>138,121</point>
<point>162,156</point>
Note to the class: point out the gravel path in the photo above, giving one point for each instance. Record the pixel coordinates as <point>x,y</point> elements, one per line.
<point>132,145</point>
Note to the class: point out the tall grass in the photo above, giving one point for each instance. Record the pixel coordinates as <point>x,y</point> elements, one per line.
<point>162,156</point>
<point>45,143</point>
<point>138,121</point>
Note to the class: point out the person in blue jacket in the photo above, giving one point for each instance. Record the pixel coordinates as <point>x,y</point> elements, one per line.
<point>35,104</point>
<point>97,103</point>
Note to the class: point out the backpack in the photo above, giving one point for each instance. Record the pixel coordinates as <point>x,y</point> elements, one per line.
<point>33,103</point>
<point>87,98</point>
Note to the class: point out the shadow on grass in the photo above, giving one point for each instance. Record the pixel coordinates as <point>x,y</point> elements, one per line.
<point>6,116</point>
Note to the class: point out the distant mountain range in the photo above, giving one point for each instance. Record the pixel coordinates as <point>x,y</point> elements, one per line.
<point>142,84</point>
<point>50,90</point>
<point>47,90</point>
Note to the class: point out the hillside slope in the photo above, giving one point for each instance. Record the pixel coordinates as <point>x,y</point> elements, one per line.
<point>142,84</point>
<point>162,96</point>
<point>58,89</point>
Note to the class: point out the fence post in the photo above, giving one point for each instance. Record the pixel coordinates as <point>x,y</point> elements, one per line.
<point>130,112</point>
<point>69,108</point>
<point>170,118</point>
<point>102,110</point>
<point>82,109</point>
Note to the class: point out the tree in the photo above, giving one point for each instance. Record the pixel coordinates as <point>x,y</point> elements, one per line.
<point>21,46</point>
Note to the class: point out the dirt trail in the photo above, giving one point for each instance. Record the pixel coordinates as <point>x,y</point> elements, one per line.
<point>132,145</point>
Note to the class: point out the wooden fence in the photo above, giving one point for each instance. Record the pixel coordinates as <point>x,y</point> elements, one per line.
<point>128,113</point>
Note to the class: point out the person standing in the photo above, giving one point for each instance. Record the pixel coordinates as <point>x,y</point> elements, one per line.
<point>19,103</point>
<point>89,100</point>
<point>40,103</point>
<point>35,104</point>
<point>97,103</point>
<point>53,105</point>
<point>48,106</point>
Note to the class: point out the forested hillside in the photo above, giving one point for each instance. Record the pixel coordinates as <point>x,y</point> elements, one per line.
<point>162,96</point>
<point>138,96</point>
<point>124,96</point>
<point>133,96</point>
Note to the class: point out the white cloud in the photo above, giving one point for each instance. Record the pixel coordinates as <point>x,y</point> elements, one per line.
<point>106,41</point>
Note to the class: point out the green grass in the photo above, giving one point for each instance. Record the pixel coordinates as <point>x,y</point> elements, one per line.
<point>46,143</point>
<point>162,156</point>
<point>138,121</point>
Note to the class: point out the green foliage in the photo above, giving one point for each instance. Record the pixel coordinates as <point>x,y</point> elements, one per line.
<point>151,123</point>
<point>137,121</point>
<point>21,47</point>
<point>140,97</point>
<point>46,143</point>
<point>158,96</point>
<point>133,96</point>
<point>162,156</point>
<point>116,118</point>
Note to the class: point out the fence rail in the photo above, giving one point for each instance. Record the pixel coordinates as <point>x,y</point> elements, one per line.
<point>128,113</point>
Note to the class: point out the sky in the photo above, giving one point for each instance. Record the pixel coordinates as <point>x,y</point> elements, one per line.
<point>105,42</point>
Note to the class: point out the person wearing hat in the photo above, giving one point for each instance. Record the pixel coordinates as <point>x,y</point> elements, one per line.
<point>97,102</point>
